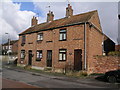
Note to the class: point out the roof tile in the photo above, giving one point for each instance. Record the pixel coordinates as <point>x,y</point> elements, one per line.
<point>84,17</point>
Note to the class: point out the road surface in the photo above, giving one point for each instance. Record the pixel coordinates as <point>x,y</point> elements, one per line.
<point>48,81</point>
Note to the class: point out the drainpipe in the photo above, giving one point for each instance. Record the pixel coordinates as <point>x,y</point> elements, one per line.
<point>85,66</point>
<point>103,44</point>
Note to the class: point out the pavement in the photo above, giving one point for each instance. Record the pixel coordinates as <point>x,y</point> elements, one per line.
<point>7,83</point>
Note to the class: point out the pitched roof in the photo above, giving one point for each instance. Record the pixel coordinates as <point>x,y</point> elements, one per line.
<point>11,42</point>
<point>84,17</point>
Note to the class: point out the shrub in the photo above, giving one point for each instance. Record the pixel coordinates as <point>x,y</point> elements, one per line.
<point>114,53</point>
<point>77,74</point>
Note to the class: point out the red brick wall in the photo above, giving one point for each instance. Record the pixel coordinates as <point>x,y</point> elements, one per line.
<point>94,46</point>
<point>75,40</point>
<point>15,47</point>
<point>103,64</point>
<point>117,47</point>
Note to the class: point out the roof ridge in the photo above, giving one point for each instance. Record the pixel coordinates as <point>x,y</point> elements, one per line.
<point>82,17</point>
<point>66,17</point>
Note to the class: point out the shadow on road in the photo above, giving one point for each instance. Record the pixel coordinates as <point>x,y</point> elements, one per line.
<point>101,78</point>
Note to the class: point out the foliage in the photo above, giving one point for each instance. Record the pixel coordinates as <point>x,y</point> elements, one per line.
<point>77,74</point>
<point>114,53</point>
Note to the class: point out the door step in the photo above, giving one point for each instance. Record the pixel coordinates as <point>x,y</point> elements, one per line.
<point>48,69</point>
<point>28,67</point>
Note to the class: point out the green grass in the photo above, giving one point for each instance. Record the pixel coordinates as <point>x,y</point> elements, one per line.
<point>73,74</point>
<point>96,74</point>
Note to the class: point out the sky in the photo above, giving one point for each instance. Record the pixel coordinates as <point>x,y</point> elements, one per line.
<point>118,24</point>
<point>16,17</point>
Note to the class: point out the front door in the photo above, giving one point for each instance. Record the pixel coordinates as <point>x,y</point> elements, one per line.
<point>30,57</point>
<point>49,58</point>
<point>78,59</point>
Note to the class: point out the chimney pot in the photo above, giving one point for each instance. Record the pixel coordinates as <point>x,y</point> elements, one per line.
<point>69,11</point>
<point>34,21</point>
<point>50,16</point>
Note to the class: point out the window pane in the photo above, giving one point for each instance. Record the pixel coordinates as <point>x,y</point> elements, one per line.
<point>64,36</point>
<point>60,36</point>
<point>62,50</point>
<point>64,56</point>
<point>37,54</point>
<point>40,36</point>
<point>62,30</point>
<point>22,54</point>
<point>40,55</point>
<point>23,39</point>
<point>60,56</point>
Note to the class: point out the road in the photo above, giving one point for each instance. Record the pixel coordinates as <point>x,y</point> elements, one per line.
<point>48,81</point>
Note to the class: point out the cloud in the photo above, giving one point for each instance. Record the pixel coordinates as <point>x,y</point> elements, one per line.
<point>107,13</point>
<point>13,21</point>
<point>57,8</point>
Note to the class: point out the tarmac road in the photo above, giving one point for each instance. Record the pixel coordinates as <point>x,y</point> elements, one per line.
<point>48,81</point>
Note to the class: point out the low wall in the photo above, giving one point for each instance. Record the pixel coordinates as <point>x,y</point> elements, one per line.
<point>103,64</point>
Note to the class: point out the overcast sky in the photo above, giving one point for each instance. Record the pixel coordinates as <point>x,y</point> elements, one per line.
<point>119,24</point>
<point>16,16</point>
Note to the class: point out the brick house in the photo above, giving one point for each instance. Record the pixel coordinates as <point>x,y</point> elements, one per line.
<point>70,42</point>
<point>12,47</point>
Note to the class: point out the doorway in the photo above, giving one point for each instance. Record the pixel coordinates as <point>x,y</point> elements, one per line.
<point>49,58</point>
<point>77,59</point>
<point>30,57</point>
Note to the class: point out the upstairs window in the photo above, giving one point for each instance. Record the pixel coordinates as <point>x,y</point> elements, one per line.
<point>22,56</point>
<point>39,55</point>
<point>63,35</point>
<point>6,47</point>
<point>40,37</point>
<point>10,47</point>
<point>23,39</point>
<point>62,55</point>
<point>3,48</point>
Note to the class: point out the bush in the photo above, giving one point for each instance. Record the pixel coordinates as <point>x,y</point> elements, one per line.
<point>77,74</point>
<point>114,53</point>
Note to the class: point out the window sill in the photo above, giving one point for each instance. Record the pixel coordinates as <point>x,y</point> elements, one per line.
<point>62,60</point>
<point>22,58</point>
<point>38,59</point>
<point>39,40</point>
<point>63,40</point>
<point>22,44</point>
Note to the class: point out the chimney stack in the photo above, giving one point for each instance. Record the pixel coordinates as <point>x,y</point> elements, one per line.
<point>34,21</point>
<point>69,11</point>
<point>50,16</point>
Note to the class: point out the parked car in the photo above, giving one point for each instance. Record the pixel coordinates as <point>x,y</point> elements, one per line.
<point>112,76</point>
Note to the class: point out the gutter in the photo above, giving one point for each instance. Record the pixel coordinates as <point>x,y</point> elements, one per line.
<point>53,28</point>
<point>85,64</point>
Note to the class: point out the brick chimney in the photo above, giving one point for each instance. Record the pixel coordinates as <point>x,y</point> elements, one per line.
<point>34,21</point>
<point>50,16</point>
<point>69,11</point>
